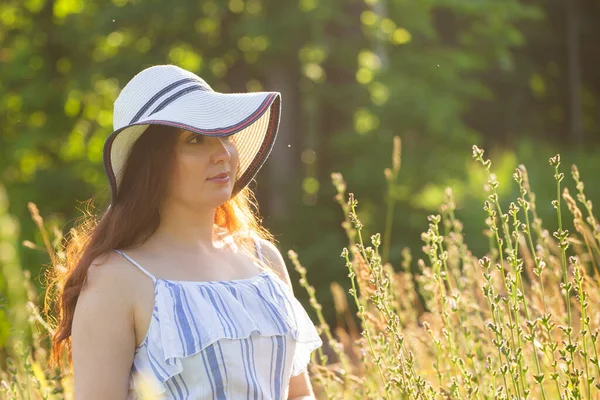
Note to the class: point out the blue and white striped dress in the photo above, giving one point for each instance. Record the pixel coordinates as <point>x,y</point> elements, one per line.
<point>234,339</point>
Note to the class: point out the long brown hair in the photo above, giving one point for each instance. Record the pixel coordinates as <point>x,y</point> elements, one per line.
<point>129,221</point>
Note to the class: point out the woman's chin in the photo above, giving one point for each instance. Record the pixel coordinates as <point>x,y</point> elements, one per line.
<point>213,198</point>
<point>219,197</point>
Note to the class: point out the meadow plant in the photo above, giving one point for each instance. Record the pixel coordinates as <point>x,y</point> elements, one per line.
<point>519,322</point>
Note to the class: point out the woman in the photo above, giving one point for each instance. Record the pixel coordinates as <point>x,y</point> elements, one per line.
<point>178,292</point>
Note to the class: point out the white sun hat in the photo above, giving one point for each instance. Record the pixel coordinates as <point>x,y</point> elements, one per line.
<point>170,95</point>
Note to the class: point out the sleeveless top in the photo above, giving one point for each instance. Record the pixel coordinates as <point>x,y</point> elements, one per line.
<point>231,339</point>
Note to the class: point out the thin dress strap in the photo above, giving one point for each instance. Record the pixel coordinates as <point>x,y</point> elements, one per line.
<point>136,264</point>
<point>258,252</point>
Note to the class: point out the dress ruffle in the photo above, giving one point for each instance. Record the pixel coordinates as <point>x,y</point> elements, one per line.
<point>188,317</point>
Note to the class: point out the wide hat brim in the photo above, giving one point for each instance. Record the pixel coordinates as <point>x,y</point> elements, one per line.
<point>252,117</point>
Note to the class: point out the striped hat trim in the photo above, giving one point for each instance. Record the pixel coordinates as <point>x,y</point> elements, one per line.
<point>263,152</point>
<point>158,95</point>
<point>175,96</point>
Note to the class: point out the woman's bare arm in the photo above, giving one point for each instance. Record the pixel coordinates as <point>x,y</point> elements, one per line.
<point>300,387</point>
<point>103,339</point>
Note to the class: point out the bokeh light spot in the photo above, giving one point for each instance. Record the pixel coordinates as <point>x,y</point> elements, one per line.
<point>401,36</point>
<point>63,65</point>
<point>365,121</point>
<point>236,6</point>
<point>368,18</point>
<point>308,5</point>
<point>310,185</point>
<point>364,76</point>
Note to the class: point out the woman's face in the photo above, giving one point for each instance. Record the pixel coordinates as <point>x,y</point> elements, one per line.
<point>198,159</point>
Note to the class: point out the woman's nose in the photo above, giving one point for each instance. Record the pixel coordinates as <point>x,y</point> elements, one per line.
<point>220,151</point>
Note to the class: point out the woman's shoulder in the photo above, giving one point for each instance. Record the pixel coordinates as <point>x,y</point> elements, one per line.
<point>110,274</point>
<point>269,250</point>
<point>108,292</point>
<point>109,264</point>
<point>274,259</point>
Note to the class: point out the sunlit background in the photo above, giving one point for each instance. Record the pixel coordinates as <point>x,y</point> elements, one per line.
<point>518,78</point>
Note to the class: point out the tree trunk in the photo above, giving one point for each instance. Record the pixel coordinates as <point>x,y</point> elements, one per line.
<point>574,72</point>
<point>282,164</point>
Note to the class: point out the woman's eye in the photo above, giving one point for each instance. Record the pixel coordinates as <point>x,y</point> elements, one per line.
<point>196,139</point>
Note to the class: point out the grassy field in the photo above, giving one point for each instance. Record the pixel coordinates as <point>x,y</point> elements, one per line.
<point>521,321</point>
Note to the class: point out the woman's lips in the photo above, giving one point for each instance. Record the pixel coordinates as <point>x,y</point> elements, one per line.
<point>221,178</point>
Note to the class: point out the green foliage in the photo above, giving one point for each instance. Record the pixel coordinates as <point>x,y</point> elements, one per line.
<point>12,296</point>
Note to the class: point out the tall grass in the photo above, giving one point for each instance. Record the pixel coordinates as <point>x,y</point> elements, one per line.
<point>521,321</point>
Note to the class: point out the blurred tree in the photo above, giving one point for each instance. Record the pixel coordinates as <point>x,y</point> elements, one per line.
<point>533,96</point>
<point>574,69</point>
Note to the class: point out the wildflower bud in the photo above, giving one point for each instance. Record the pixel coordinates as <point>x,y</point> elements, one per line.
<point>396,154</point>
<point>485,262</point>
<point>35,213</point>
<point>575,172</point>
<point>448,192</point>
<point>338,181</point>
<point>444,256</point>
<point>376,239</point>
<point>486,205</point>
<point>477,152</point>
<point>559,177</point>
<point>29,244</point>
<point>523,190</point>
<point>573,260</point>
<point>518,176</point>
<point>434,219</point>
<point>388,174</point>
<point>352,202</point>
